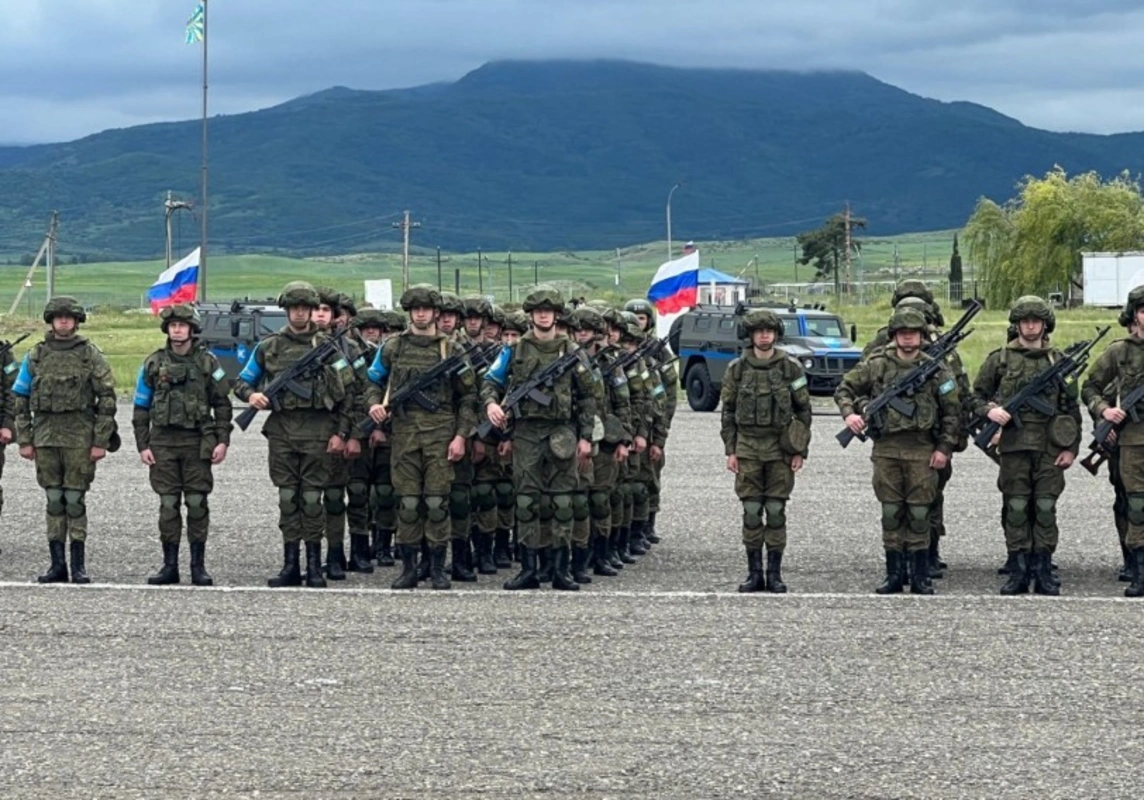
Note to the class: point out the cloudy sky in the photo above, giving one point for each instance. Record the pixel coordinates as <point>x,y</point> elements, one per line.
<point>74,67</point>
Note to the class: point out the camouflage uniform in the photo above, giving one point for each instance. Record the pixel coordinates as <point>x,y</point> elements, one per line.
<point>65,406</point>
<point>904,482</point>
<point>1029,480</point>
<point>298,435</point>
<point>505,545</point>
<point>373,467</point>
<point>182,411</point>
<point>8,368</point>
<point>766,422</point>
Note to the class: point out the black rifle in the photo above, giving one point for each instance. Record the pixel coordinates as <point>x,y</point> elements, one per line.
<point>898,395</point>
<point>1100,446</point>
<point>414,391</point>
<point>302,369</point>
<point>6,347</point>
<point>481,356</point>
<point>1070,366</point>
<point>538,388</point>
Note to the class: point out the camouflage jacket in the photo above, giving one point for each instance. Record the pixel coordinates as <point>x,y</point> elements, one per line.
<point>1117,372</point>
<point>761,398</point>
<point>182,400</point>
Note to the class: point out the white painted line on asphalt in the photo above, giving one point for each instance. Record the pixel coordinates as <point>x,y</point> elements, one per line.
<point>549,593</point>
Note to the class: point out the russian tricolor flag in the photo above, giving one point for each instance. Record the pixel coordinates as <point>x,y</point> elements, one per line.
<point>675,286</point>
<point>179,283</point>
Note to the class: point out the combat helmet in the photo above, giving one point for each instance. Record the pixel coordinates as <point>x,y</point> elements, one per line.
<point>907,319</point>
<point>420,295</point>
<point>587,319</point>
<point>347,304</point>
<point>918,303</point>
<point>516,321</point>
<point>451,302</point>
<point>496,315</point>
<point>370,318</point>
<point>761,319</point>
<point>1135,300</point>
<point>476,306</point>
<point>638,305</point>
<point>541,299</point>
<point>911,288</point>
<point>1031,306</point>
<point>298,293</point>
<point>64,305</point>
<point>180,312</point>
<point>329,297</point>
<point>614,317</point>
<point>395,320</point>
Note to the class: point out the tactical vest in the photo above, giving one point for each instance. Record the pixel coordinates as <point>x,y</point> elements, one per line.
<point>527,360</point>
<point>280,352</point>
<point>884,371</point>
<point>179,397</point>
<point>1129,368</point>
<point>1017,371</point>
<point>61,379</point>
<point>764,397</point>
<point>411,359</point>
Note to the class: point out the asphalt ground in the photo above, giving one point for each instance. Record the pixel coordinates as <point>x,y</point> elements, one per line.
<point>663,682</point>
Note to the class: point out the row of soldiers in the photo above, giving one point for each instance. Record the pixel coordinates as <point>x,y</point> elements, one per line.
<point>581,498</point>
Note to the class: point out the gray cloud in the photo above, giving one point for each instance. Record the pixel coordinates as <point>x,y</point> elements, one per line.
<point>73,67</point>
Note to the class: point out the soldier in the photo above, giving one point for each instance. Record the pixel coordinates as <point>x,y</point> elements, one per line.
<point>624,338</point>
<point>182,427</point>
<point>642,479</point>
<point>425,443</point>
<point>65,422</point>
<point>766,435</point>
<point>303,434</point>
<point>1035,455</point>
<point>451,316</point>
<point>9,365</point>
<point>548,442</point>
<point>477,313</point>
<point>372,470</point>
<point>909,451</point>
<point>1118,371</point>
<point>516,325</point>
<point>494,324</point>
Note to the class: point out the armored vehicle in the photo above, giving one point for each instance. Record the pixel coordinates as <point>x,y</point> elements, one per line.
<point>232,329</point>
<point>707,338</point>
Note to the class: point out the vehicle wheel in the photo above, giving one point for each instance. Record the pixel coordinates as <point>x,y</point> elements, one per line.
<point>701,394</point>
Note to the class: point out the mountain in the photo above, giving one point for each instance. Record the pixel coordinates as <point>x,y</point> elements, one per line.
<point>543,156</point>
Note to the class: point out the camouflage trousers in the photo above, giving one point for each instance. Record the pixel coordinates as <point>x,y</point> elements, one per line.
<point>422,476</point>
<point>581,518</point>
<point>180,475</point>
<point>461,497</point>
<point>379,479</point>
<point>544,484</point>
<point>906,490</point>
<point>1132,476</point>
<point>65,474</point>
<point>653,489</point>
<point>605,476</point>
<point>334,499</point>
<point>642,481</point>
<point>764,486</point>
<point>937,510</point>
<point>301,471</point>
<point>489,475</point>
<point>1120,496</point>
<point>1030,484</point>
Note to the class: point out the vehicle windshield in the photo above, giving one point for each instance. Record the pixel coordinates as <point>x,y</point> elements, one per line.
<point>826,327</point>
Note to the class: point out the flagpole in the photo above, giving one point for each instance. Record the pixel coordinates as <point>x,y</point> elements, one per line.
<point>203,242</point>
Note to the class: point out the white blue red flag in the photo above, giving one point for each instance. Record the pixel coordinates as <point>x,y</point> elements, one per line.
<point>675,286</point>
<point>179,283</point>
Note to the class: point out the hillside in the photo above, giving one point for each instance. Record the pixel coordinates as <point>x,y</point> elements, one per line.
<point>544,156</point>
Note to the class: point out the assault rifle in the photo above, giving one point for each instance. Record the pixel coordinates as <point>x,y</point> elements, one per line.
<point>305,367</point>
<point>1100,446</point>
<point>481,356</point>
<point>651,348</point>
<point>414,391</point>
<point>1070,366</point>
<point>538,388</point>
<point>6,347</point>
<point>898,395</point>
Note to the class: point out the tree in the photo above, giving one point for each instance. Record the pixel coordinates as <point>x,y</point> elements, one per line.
<point>826,246</point>
<point>1033,243</point>
<point>956,275</point>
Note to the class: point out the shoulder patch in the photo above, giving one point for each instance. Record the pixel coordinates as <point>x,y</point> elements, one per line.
<point>340,364</point>
<point>360,362</point>
<point>797,384</point>
<point>947,387</point>
<point>219,374</point>
<point>10,368</point>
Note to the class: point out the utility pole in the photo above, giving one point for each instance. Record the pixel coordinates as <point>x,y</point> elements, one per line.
<point>405,225</point>
<point>794,250</point>
<point>480,276</point>
<point>897,263</point>
<point>619,269</point>
<point>49,240</point>
<point>669,194</point>
<point>846,217</point>
<point>170,207</point>
<point>439,268</point>
<point>536,272</point>
<point>52,226</point>
<point>510,275</point>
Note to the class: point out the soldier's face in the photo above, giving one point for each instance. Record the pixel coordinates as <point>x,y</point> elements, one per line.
<point>585,336</point>
<point>323,316</point>
<point>422,317</point>
<point>908,341</point>
<point>178,332</point>
<point>344,319</point>
<point>510,336</point>
<point>763,339</point>
<point>447,322</point>
<point>299,317</point>
<point>473,326</point>
<point>371,333</point>
<point>543,319</point>
<point>1031,328</point>
<point>492,331</point>
<point>1139,323</point>
<point>613,335</point>
<point>63,325</point>
<point>643,320</point>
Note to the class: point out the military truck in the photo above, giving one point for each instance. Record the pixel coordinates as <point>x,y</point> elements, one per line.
<point>707,339</point>
<point>232,329</point>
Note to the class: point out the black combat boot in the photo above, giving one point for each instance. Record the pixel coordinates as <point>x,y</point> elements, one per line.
<point>775,583</point>
<point>1008,566</point>
<point>58,571</point>
<point>78,568</point>
<point>546,565</point>
<point>613,551</point>
<point>335,560</point>
<point>1043,581</point>
<point>359,553</point>
<point>919,572</point>
<point>437,577</point>
<point>602,566</point>
<point>423,564</point>
<point>486,564</point>
<point>169,572</point>
<point>1129,569</point>
<point>1018,582</point>
<point>314,579</point>
<point>636,544</point>
<point>408,577</point>
<point>1136,588</point>
<point>936,565</point>
<point>291,574</point>
<point>502,554</point>
<point>755,581</point>
<point>623,546</point>
<point>895,567</point>
<point>461,571</point>
<point>199,574</point>
<point>649,530</point>
<point>526,578</point>
<point>580,565</point>
<point>561,574</point>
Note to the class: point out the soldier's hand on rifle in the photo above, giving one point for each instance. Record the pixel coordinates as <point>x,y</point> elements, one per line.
<point>856,424</point>
<point>147,457</point>
<point>28,452</point>
<point>260,401</point>
<point>378,413</point>
<point>457,448</point>
<point>656,453</point>
<point>97,454</point>
<point>1110,439</point>
<point>621,454</point>
<point>999,415</point>
<point>336,444</point>
<point>5,435</point>
<point>496,415</point>
<point>796,463</point>
<point>218,455</point>
<point>377,438</point>
<point>938,460</point>
<point>733,464</point>
<point>1114,415</point>
<point>353,449</point>
<point>640,444</point>
<point>504,449</point>
<point>1065,459</point>
<point>584,452</point>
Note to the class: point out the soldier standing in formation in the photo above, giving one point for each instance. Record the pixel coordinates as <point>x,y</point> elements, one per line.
<point>1035,455</point>
<point>909,451</point>
<point>8,366</point>
<point>182,426</point>
<point>65,422</point>
<point>303,434</point>
<point>766,432</point>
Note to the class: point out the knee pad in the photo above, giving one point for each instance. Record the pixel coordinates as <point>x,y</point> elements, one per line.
<point>1017,511</point>
<point>333,499</point>
<point>563,507</point>
<point>752,514</point>
<point>1046,510</point>
<point>357,495</point>
<point>75,502</point>
<point>484,496</point>
<point>287,499</point>
<point>891,516</point>
<point>1136,509</point>
<point>197,507</point>
<point>776,512</point>
<point>169,506</point>
<point>918,518</point>
<point>436,508</point>
<point>408,509</point>
<point>599,505</point>
<point>459,500</point>
<point>526,507</point>
<point>312,506</point>
<point>616,501</point>
<point>639,492</point>
<point>546,509</point>
<point>55,501</point>
<point>505,493</point>
<point>384,497</point>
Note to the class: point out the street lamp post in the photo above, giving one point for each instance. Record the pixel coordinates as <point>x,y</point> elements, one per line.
<point>669,194</point>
